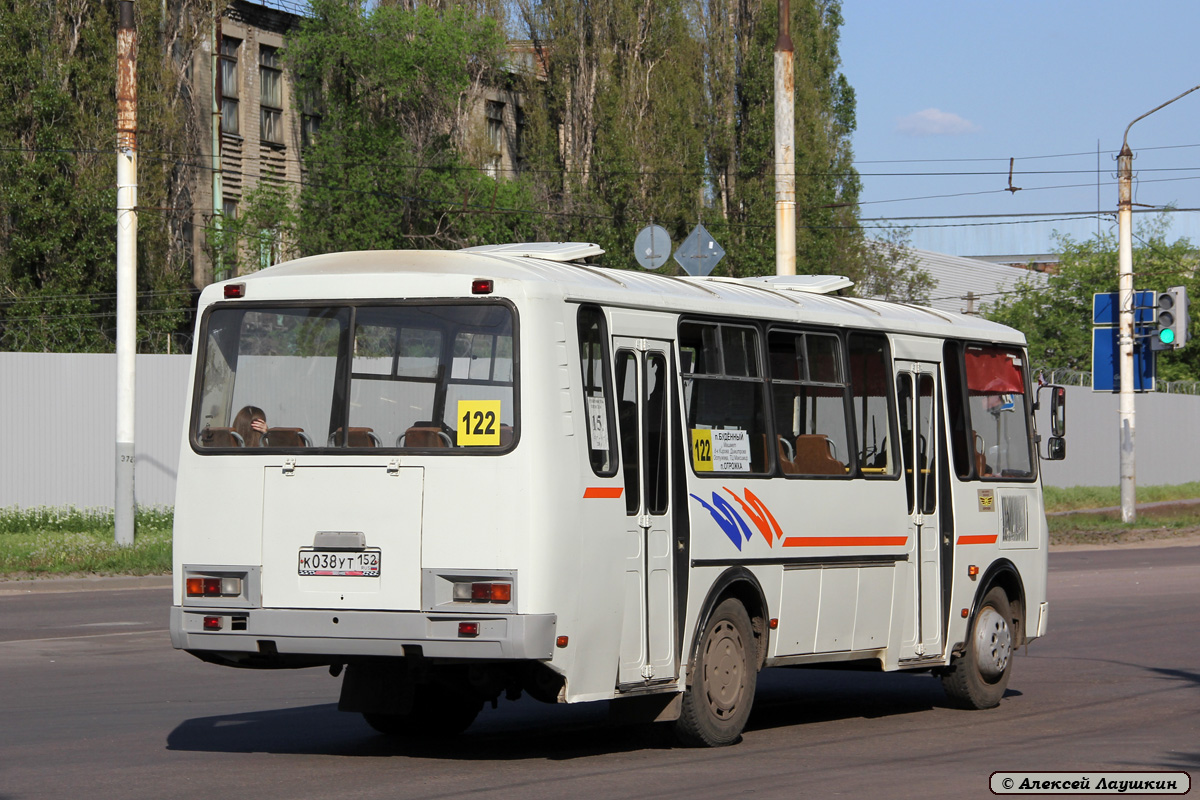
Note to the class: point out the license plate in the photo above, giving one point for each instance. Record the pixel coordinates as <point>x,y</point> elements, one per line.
<point>357,564</point>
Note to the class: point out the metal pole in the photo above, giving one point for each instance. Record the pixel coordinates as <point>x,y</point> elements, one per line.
<point>785,149</point>
<point>1125,300</point>
<point>123,506</point>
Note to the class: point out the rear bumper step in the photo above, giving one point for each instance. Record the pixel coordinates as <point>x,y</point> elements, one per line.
<point>328,632</point>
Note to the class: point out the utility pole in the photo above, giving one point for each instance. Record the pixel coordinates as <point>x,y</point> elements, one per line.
<point>218,192</point>
<point>123,506</point>
<point>1125,299</point>
<point>785,146</point>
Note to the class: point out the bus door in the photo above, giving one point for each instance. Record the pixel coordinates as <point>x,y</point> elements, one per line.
<point>916,392</point>
<point>645,379</point>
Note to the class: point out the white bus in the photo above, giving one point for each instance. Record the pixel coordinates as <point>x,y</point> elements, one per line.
<point>457,475</point>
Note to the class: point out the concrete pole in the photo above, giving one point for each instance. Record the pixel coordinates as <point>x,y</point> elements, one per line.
<point>1125,297</point>
<point>123,506</point>
<point>785,146</point>
<point>218,191</point>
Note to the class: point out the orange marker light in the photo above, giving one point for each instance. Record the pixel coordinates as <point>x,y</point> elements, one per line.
<point>973,572</point>
<point>966,613</point>
<point>562,641</point>
<point>774,624</point>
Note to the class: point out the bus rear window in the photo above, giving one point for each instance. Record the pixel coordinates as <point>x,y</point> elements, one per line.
<point>431,377</point>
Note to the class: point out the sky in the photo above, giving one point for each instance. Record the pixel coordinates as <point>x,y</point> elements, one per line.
<point>961,87</point>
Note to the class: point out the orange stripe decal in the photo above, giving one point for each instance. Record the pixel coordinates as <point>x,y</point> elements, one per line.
<point>602,492</point>
<point>845,541</point>
<point>978,539</point>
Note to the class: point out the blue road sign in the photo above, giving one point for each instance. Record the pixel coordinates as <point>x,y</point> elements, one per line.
<point>1106,367</point>
<point>1105,308</point>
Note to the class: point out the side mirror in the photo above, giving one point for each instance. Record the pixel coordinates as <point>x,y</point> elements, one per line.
<point>1058,411</point>
<point>1056,448</point>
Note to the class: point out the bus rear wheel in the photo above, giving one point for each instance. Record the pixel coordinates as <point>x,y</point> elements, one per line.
<point>978,678</point>
<point>723,675</point>
<point>436,714</point>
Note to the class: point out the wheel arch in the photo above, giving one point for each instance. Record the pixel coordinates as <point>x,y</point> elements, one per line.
<point>740,584</point>
<point>1003,573</point>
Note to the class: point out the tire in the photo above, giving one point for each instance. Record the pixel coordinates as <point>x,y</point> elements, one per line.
<point>723,675</point>
<point>435,714</point>
<point>977,679</point>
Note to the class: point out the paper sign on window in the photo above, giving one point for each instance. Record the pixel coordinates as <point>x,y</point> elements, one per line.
<point>597,423</point>
<point>720,451</point>
<point>478,423</point>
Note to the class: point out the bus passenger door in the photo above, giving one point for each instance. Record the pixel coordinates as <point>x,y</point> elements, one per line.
<point>645,380</point>
<point>916,392</point>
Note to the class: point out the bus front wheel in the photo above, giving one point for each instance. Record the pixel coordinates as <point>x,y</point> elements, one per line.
<point>723,675</point>
<point>978,678</point>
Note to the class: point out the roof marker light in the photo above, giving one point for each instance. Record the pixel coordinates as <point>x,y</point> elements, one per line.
<point>479,286</point>
<point>235,290</point>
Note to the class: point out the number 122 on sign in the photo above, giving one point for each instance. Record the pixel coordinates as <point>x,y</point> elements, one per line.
<point>478,422</point>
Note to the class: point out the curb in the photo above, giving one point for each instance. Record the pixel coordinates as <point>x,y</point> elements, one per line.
<point>93,583</point>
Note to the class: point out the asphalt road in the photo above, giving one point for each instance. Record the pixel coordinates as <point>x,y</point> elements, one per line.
<point>96,704</point>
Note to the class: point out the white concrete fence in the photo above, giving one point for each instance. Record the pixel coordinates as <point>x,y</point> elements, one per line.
<point>58,413</point>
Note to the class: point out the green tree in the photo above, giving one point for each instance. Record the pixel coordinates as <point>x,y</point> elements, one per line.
<point>58,170</point>
<point>1056,317</point>
<point>397,89</point>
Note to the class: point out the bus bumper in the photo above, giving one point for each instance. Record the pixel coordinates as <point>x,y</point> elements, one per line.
<point>284,634</point>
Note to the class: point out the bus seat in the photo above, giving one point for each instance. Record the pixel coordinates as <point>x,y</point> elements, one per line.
<point>285,437</point>
<point>425,435</point>
<point>221,437</point>
<point>981,466</point>
<point>813,456</point>
<point>358,437</point>
<point>787,456</point>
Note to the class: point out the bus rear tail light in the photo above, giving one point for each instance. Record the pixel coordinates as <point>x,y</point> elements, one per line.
<point>214,587</point>
<point>483,592</point>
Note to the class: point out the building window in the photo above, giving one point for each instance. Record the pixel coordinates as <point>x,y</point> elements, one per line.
<point>310,118</point>
<point>271,95</point>
<point>230,86</point>
<point>495,133</point>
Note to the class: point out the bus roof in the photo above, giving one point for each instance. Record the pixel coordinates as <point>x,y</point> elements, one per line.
<point>518,271</point>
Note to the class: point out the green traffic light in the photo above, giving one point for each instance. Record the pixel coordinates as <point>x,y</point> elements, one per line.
<point>1166,336</point>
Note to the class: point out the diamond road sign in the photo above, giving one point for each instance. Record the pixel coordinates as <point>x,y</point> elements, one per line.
<point>699,254</point>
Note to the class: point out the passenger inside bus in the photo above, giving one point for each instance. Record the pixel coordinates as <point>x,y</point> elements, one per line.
<point>250,424</point>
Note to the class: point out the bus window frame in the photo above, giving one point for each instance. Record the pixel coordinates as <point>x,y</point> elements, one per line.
<point>340,390</point>
<point>843,365</point>
<point>893,420</point>
<point>609,392</point>
<point>957,434</point>
<point>763,381</point>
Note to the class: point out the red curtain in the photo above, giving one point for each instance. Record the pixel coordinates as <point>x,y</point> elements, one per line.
<point>992,370</point>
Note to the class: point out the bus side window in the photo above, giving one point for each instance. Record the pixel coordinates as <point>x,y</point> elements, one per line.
<point>809,396</point>
<point>627,392</point>
<point>597,390</point>
<point>723,391</point>
<point>869,382</point>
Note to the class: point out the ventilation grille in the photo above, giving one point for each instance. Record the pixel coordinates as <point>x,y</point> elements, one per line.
<point>1014,519</point>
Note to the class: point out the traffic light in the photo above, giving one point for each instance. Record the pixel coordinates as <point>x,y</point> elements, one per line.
<point>1172,331</point>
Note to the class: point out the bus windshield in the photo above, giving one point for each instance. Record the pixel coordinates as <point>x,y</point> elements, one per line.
<point>439,377</point>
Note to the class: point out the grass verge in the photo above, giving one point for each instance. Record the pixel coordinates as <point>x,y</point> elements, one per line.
<point>43,542</point>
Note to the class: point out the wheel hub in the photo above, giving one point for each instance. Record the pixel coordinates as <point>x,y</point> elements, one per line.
<point>723,671</point>
<point>993,643</point>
